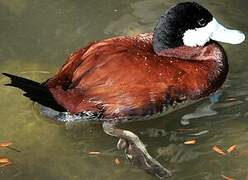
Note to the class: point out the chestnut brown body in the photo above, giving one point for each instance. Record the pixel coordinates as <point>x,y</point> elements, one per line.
<point>124,77</point>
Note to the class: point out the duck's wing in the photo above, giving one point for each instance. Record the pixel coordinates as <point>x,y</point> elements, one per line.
<point>59,85</point>
<point>64,76</point>
<point>110,77</point>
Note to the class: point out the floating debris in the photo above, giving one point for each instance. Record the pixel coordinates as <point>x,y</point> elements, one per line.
<point>218,150</point>
<point>227,178</point>
<point>231,148</point>
<point>94,153</point>
<point>190,142</point>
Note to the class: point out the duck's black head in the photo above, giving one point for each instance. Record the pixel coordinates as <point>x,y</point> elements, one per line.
<point>190,24</point>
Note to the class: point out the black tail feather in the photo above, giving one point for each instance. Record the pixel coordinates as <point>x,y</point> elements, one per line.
<point>35,91</point>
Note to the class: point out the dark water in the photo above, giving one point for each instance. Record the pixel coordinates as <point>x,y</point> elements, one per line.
<point>35,39</point>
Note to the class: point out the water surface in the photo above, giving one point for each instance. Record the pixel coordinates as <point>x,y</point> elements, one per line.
<point>37,36</point>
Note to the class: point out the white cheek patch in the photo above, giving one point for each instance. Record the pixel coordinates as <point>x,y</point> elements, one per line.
<point>213,30</point>
<point>199,36</point>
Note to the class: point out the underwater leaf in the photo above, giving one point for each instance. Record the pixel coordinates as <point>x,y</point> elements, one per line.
<point>232,148</point>
<point>5,144</point>
<point>218,150</point>
<point>94,153</point>
<point>227,178</point>
<point>190,142</point>
<point>8,144</point>
<point>6,164</point>
<point>117,161</point>
<point>4,160</point>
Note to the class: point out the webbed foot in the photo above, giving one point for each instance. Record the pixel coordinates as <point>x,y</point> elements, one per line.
<point>136,151</point>
<point>142,159</point>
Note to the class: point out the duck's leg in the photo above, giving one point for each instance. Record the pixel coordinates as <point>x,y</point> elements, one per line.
<point>136,150</point>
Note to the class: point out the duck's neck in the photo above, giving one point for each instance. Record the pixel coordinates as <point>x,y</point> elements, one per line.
<point>187,53</point>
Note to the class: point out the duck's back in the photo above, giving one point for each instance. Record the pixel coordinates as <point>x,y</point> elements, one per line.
<point>122,77</point>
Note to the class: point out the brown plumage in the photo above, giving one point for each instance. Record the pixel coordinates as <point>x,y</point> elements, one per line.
<point>124,77</point>
<point>135,77</point>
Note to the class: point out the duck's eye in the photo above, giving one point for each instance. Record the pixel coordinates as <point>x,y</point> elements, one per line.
<point>202,22</point>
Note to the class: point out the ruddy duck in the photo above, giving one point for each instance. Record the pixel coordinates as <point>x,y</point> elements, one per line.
<point>124,78</point>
